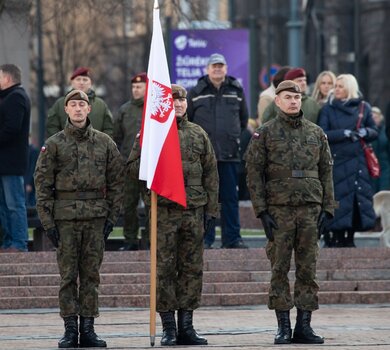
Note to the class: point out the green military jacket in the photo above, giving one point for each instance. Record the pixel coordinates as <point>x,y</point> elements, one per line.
<point>289,163</point>
<point>78,176</point>
<point>127,124</point>
<point>100,116</point>
<point>199,168</point>
<point>310,109</point>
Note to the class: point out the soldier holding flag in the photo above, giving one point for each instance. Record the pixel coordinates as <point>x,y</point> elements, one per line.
<point>180,229</point>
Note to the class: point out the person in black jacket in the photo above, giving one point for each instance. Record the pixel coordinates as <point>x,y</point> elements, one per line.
<point>15,109</point>
<point>217,103</point>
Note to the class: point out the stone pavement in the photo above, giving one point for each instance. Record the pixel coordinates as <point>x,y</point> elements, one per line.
<point>345,327</point>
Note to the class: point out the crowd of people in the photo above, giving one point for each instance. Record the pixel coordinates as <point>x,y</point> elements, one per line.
<point>300,161</point>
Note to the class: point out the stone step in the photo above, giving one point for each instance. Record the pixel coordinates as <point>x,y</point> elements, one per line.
<point>211,254</point>
<point>231,277</point>
<point>233,299</point>
<point>208,288</point>
<point>121,267</point>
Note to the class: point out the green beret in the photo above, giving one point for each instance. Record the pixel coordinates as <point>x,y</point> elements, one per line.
<point>178,91</point>
<point>288,85</point>
<point>76,95</point>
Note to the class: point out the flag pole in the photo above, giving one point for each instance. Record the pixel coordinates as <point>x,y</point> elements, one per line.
<point>153,265</point>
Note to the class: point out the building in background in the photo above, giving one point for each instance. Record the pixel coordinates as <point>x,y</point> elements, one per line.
<point>113,37</point>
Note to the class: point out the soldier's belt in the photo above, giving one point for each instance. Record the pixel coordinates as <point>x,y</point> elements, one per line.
<point>193,182</point>
<point>79,195</point>
<point>282,174</point>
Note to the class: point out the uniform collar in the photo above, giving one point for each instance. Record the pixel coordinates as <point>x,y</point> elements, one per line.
<point>78,133</point>
<point>295,121</point>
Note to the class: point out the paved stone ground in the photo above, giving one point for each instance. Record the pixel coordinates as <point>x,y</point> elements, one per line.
<point>345,327</point>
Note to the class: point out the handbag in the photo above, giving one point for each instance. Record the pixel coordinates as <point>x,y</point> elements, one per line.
<point>373,166</point>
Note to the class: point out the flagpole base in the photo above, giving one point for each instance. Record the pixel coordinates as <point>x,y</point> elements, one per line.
<point>152,340</point>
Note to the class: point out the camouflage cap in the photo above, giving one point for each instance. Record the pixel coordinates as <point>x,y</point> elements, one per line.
<point>288,85</point>
<point>76,95</point>
<point>178,91</point>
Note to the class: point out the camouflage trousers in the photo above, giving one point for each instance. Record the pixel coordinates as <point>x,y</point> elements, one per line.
<point>179,258</point>
<point>297,231</point>
<point>79,257</point>
<point>132,194</point>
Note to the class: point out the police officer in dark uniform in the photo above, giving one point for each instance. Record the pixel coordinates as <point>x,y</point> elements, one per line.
<point>79,186</point>
<point>180,230</point>
<point>289,169</point>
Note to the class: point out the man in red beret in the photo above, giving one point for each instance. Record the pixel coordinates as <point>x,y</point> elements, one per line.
<point>309,106</point>
<point>127,123</point>
<point>100,116</point>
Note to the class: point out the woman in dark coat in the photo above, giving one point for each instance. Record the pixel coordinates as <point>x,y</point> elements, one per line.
<point>339,118</point>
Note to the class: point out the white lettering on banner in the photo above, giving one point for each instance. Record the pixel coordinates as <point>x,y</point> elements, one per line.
<point>197,61</point>
<point>187,83</point>
<point>189,72</point>
<point>195,43</point>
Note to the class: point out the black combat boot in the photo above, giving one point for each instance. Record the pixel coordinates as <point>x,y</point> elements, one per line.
<point>88,337</point>
<point>70,338</point>
<point>186,332</point>
<point>283,336</point>
<point>303,333</point>
<point>169,336</point>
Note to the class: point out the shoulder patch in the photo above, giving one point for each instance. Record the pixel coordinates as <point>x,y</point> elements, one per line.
<point>256,135</point>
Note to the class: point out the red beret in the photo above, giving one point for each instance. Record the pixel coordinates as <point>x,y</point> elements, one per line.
<point>295,73</point>
<point>139,78</point>
<point>81,71</point>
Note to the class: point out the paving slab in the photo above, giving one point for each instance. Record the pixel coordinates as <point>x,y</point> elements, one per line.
<point>345,327</point>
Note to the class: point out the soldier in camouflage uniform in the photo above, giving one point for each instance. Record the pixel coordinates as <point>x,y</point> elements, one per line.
<point>289,177</point>
<point>79,186</point>
<point>180,230</point>
<point>126,126</point>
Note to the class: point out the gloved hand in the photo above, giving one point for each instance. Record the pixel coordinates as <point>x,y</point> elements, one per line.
<point>323,220</point>
<point>53,235</point>
<point>209,222</point>
<point>108,226</point>
<point>268,224</point>
<point>362,132</point>
<point>353,135</point>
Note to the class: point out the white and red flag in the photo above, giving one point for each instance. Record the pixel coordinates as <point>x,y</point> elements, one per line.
<point>160,165</point>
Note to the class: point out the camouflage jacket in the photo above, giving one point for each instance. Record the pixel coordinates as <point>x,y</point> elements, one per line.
<point>199,168</point>
<point>78,176</point>
<point>127,124</point>
<point>100,116</point>
<point>288,162</point>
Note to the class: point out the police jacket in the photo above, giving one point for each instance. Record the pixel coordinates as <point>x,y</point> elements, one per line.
<point>289,163</point>
<point>100,116</point>
<point>222,113</point>
<point>15,109</point>
<point>199,168</point>
<point>78,176</point>
<point>127,124</point>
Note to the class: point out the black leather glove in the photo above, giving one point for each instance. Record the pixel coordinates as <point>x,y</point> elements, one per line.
<point>108,226</point>
<point>209,222</point>
<point>323,220</point>
<point>53,235</point>
<point>268,224</point>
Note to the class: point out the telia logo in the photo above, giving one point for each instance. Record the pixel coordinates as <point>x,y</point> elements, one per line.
<point>181,42</point>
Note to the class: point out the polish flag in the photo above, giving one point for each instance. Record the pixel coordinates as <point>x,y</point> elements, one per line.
<point>160,164</point>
